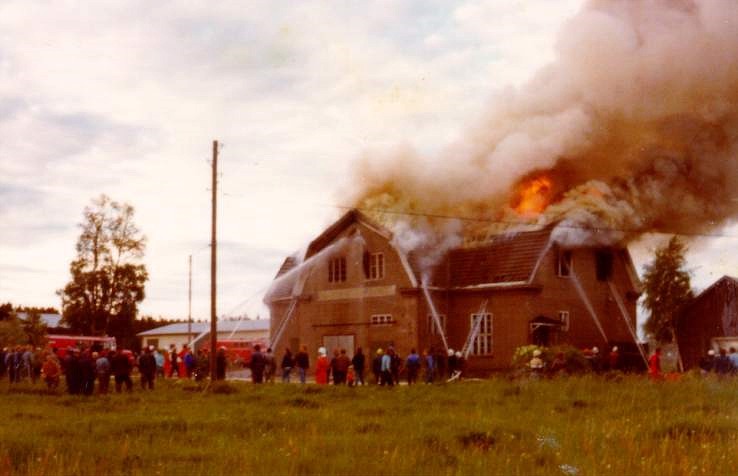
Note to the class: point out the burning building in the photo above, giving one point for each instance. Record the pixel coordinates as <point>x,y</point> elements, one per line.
<point>354,287</point>
<point>632,129</point>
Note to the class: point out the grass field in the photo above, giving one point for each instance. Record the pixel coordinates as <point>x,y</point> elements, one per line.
<point>576,426</point>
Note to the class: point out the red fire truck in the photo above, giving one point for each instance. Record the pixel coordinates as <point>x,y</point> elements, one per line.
<point>238,351</point>
<point>62,342</point>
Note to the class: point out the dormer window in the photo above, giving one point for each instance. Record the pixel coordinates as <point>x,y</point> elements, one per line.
<point>337,270</point>
<point>564,263</point>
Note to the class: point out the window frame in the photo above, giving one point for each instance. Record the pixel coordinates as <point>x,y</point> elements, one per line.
<point>483,344</point>
<point>564,263</point>
<point>381,320</point>
<point>376,266</point>
<point>337,270</point>
<point>432,328</point>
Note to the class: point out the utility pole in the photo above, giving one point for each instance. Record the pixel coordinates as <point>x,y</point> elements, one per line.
<point>189,306</point>
<point>213,266</point>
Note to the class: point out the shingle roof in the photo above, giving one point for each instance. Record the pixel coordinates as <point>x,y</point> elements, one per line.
<point>289,263</point>
<point>199,327</point>
<point>504,259</point>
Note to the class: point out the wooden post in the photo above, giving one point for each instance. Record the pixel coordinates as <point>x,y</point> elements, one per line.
<point>213,265</point>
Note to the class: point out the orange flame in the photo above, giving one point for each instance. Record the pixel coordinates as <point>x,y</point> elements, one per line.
<point>534,196</point>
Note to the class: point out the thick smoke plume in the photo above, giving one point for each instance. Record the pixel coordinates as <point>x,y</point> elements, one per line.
<point>633,128</point>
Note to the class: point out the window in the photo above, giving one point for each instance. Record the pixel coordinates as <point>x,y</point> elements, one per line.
<point>150,342</point>
<point>433,328</point>
<point>483,340</point>
<point>382,320</point>
<point>337,270</point>
<point>564,318</point>
<point>603,264</point>
<point>373,265</point>
<point>376,266</point>
<point>564,263</point>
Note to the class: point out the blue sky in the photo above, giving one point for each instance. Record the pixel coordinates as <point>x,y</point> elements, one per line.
<point>125,97</point>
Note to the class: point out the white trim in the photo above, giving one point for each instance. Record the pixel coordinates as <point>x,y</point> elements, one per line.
<point>481,347</point>
<point>509,284</point>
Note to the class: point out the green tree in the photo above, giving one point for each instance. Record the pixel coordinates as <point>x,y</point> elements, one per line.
<point>34,328</point>
<point>11,331</point>
<point>6,311</point>
<point>667,289</point>
<point>107,275</point>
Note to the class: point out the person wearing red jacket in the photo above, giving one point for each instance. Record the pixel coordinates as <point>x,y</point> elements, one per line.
<point>654,365</point>
<point>321,367</point>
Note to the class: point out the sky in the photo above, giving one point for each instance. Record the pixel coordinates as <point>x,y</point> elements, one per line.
<point>125,98</point>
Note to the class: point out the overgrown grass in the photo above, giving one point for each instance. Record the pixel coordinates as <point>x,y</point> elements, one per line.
<point>576,426</point>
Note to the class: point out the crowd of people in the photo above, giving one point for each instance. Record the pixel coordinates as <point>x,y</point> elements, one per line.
<point>86,369</point>
<point>722,363</point>
<point>386,366</point>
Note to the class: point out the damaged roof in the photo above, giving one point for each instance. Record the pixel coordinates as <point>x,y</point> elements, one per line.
<point>508,258</point>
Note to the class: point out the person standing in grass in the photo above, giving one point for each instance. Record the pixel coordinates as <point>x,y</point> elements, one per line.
<point>707,362</point>
<point>102,370</point>
<point>377,366</point>
<point>258,365</point>
<point>614,359</point>
<point>173,361</point>
<point>733,356</point>
<point>413,367</point>
<point>87,365</point>
<point>147,368</point>
<point>322,366</point>
<point>723,365</point>
<point>359,362</point>
<point>51,371</point>
<point>654,365</point>
<point>287,364</point>
<point>302,361</point>
<point>271,366</point>
<point>159,358</point>
<point>386,369</point>
<point>72,371</point>
<point>430,366</point>
<point>189,361</point>
<point>121,367</point>
<point>340,368</point>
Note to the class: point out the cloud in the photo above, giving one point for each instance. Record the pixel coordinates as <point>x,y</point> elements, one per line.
<point>125,99</point>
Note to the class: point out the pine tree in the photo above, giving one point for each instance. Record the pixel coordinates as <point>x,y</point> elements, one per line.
<point>667,288</point>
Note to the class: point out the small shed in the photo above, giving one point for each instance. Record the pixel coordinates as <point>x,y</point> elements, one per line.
<point>709,321</point>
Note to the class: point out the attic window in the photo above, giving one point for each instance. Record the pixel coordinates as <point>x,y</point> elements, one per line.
<point>603,263</point>
<point>337,270</point>
<point>564,262</point>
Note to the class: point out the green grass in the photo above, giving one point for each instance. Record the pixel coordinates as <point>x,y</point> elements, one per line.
<point>570,426</point>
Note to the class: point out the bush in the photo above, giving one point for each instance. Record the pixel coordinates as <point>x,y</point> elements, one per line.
<point>575,362</point>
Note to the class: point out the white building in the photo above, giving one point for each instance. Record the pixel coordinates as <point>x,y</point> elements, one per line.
<point>248,330</point>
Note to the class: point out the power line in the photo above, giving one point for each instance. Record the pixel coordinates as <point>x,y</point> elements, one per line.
<point>523,223</point>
